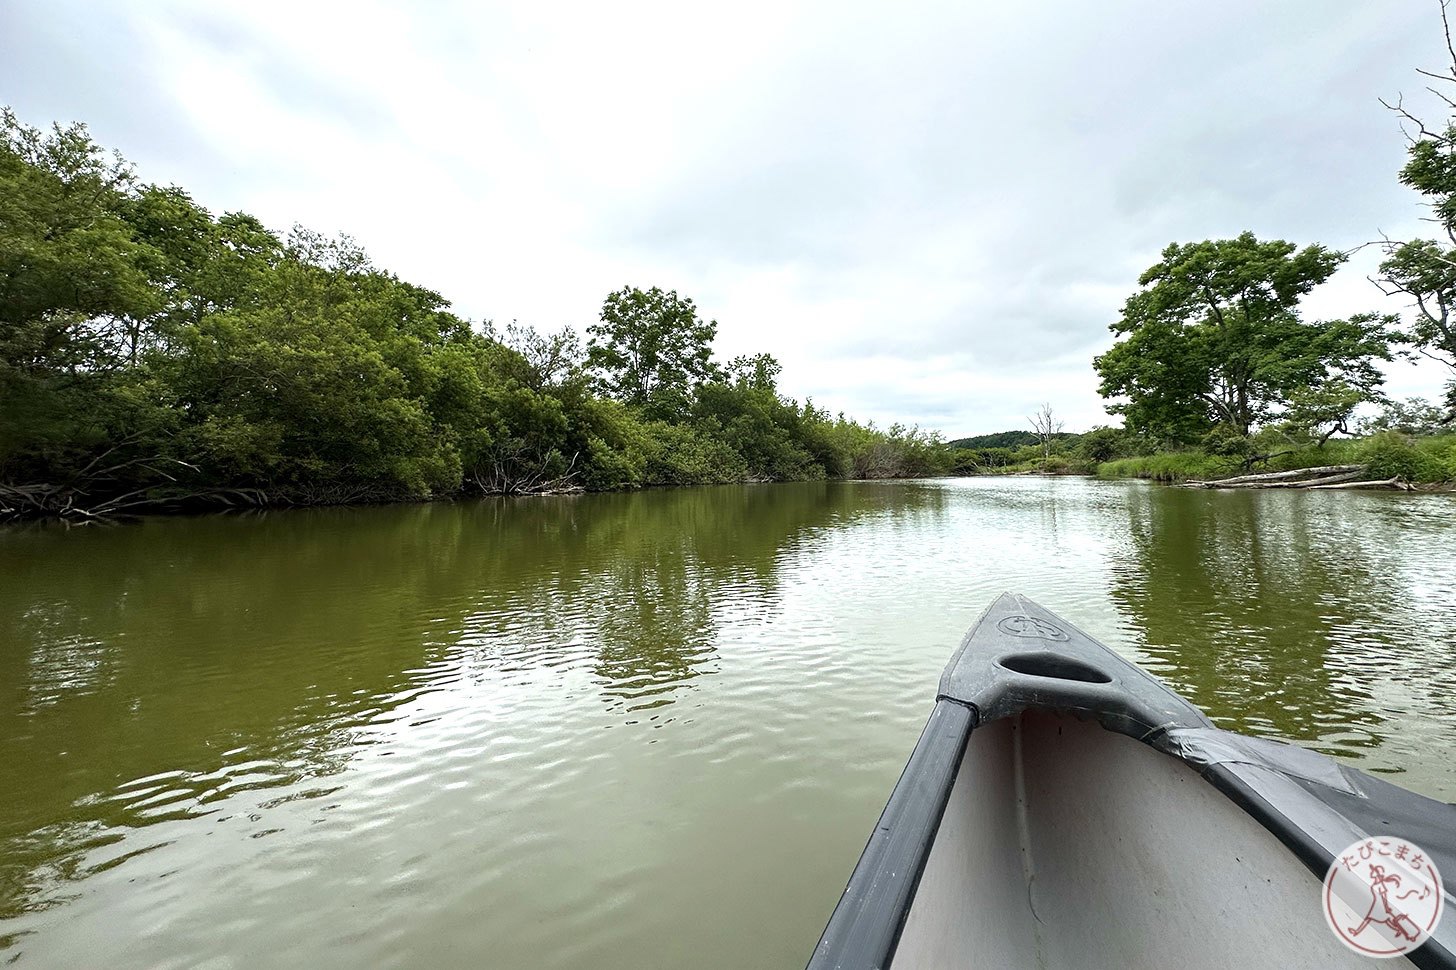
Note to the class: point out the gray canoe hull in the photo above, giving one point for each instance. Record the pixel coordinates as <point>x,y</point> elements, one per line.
<point>1063,808</point>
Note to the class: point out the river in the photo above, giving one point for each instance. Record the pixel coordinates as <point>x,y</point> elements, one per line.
<point>625,730</point>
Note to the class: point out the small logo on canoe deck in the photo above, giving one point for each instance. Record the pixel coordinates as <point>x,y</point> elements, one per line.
<point>1383,897</point>
<point>1020,625</point>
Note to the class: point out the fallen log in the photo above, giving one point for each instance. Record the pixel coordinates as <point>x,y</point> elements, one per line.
<point>1394,483</point>
<point>1269,484</point>
<point>1321,482</point>
<point>1238,480</point>
<point>1303,483</point>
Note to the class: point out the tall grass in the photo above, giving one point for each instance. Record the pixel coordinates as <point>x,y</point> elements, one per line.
<point>1055,465</point>
<point>1171,466</point>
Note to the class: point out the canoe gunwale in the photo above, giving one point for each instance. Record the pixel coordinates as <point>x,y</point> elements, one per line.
<point>1232,780</point>
<point>867,922</point>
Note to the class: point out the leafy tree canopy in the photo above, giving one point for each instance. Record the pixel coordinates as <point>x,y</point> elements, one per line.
<point>650,349</point>
<point>759,371</point>
<point>1214,337</point>
<point>71,268</point>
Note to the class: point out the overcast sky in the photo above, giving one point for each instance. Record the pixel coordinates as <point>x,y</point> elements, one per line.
<point>928,212</point>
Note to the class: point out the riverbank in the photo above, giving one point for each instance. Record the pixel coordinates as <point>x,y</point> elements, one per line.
<point>41,503</point>
<point>1427,462</point>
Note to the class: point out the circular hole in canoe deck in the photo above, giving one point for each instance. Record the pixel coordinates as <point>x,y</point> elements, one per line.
<point>1054,665</point>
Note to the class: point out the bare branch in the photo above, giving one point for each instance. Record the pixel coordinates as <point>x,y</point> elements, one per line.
<point>1446,28</point>
<point>1439,77</point>
<point>1047,425</point>
<point>1421,129</point>
<point>1448,101</point>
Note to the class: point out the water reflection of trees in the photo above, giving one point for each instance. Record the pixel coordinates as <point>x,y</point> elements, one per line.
<point>148,672</point>
<point>644,580</point>
<point>209,655</point>
<point>1247,607</point>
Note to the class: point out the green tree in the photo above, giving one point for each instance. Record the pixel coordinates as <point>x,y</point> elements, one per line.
<point>552,360</point>
<point>651,350</point>
<point>204,265</point>
<point>755,370</point>
<point>320,386</point>
<point>1413,416</point>
<point>766,430</point>
<point>75,286</point>
<point>1424,270</point>
<point>1214,337</point>
<point>1104,444</point>
<point>70,265</point>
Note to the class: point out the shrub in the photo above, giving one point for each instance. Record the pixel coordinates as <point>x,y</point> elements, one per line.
<point>1173,466</point>
<point>683,455</point>
<point>1441,454</point>
<point>1103,444</point>
<point>1228,442</point>
<point>1392,455</point>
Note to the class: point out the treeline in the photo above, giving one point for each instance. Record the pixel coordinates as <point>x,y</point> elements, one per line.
<point>1059,453</point>
<point>155,356</point>
<point>1007,439</point>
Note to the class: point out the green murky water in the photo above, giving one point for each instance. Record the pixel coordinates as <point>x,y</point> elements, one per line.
<point>619,731</point>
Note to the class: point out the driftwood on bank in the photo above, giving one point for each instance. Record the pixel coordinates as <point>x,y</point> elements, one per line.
<point>513,472</point>
<point>1239,481</point>
<point>1321,482</point>
<point>1321,477</point>
<point>1395,483</point>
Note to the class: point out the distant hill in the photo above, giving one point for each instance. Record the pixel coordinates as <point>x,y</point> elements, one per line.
<point>1005,439</point>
